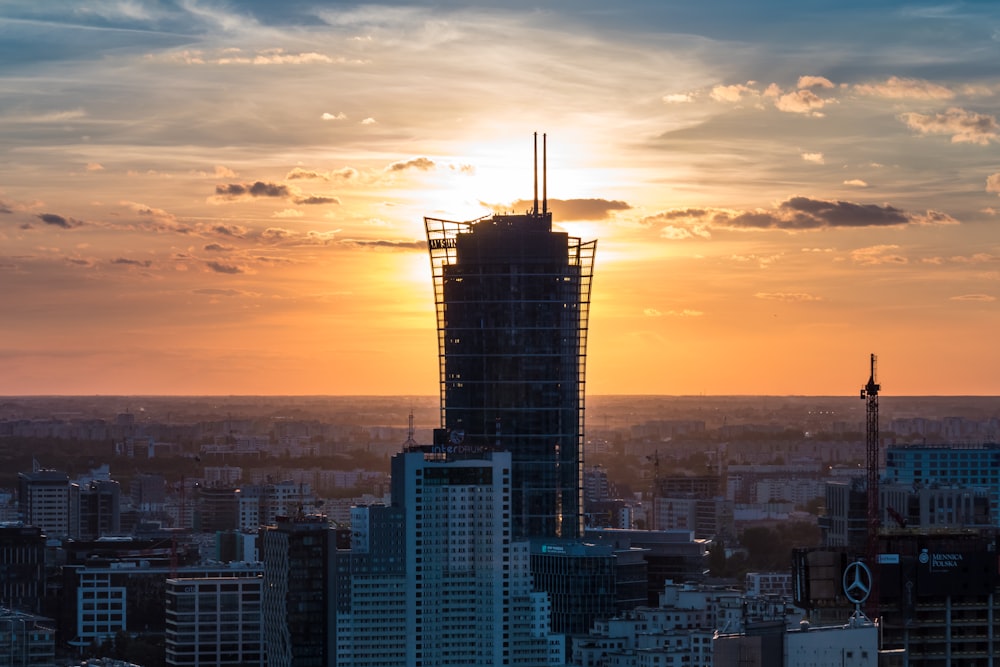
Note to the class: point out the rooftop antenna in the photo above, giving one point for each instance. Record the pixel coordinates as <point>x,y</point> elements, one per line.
<point>545,176</point>
<point>534,211</point>
<point>410,431</point>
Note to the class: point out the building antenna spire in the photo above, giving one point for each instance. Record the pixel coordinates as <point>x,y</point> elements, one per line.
<point>545,176</point>
<point>534,210</point>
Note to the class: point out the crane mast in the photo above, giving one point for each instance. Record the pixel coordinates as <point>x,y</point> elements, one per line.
<point>869,393</point>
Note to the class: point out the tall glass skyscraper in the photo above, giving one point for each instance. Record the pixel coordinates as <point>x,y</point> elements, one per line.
<point>512,299</point>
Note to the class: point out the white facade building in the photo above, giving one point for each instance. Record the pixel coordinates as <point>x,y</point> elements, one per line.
<point>851,645</point>
<point>680,631</point>
<point>100,593</point>
<point>434,579</point>
<point>762,584</point>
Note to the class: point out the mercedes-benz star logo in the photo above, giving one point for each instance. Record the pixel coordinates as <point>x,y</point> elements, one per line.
<point>857,582</point>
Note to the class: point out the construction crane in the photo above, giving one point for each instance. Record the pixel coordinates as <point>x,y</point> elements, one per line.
<point>869,393</point>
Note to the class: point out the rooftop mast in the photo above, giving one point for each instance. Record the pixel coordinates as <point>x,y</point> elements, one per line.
<point>534,210</point>
<point>545,176</point>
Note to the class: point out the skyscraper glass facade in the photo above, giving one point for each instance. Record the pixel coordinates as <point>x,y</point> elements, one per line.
<point>512,299</point>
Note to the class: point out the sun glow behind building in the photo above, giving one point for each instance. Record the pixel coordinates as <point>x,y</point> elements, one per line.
<point>512,298</point>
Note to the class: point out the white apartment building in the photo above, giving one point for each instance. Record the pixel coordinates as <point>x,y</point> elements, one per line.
<point>100,594</point>
<point>434,579</point>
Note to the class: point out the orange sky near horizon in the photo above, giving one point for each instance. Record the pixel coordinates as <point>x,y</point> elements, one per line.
<point>210,199</point>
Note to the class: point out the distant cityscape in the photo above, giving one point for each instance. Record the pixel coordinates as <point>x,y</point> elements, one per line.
<point>184,487</point>
<point>512,520</point>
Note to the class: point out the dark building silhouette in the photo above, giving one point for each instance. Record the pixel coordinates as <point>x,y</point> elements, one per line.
<point>673,555</point>
<point>699,486</point>
<point>95,509</point>
<point>148,491</point>
<point>512,299</point>
<point>217,509</point>
<point>582,581</point>
<point>22,567</point>
<point>298,623</point>
<point>939,593</point>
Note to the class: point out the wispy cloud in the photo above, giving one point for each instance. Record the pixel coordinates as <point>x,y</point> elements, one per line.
<point>235,231</point>
<point>219,267</point>
<point>236,56</point>
<point>59,221</point>
<point>256,189</point>
<point>733,92</point>
<point>313,200</point>
<point>802,101</point>
<point>815,82</point>
<point>687,312</point>
<point>993,182</point>
<point>903,88</point>
<point>795,214</point>
<point>878,254</point>
<point>419,163</point>
<point>763,261</point>
<point>791,297</point>
<point>974,297</point>
<point>962,125</point>
<point>148,211</point>
<point>576,209</point>
<point>144,263</point>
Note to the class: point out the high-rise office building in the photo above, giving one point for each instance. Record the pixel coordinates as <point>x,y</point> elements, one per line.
<point>43,501</point>
<point>94,509</point>
<point>512,298</point>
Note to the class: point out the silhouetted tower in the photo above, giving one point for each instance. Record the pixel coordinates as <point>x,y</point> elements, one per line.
<point>512,298</point>
<point>870,393</point>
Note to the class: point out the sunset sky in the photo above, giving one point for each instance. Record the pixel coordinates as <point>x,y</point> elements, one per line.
<point>207,197</point>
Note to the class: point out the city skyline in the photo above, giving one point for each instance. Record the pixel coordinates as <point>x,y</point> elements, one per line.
<point>228,198</point>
